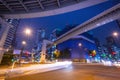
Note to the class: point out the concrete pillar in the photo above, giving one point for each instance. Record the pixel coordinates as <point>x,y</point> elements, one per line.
<point>43,53</point>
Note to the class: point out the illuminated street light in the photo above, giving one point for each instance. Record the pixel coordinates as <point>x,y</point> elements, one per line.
<point>24,42</point>
<point>28,31</point>
<point>80,44</point>
<point>20,56</point>
<point>115,34</point>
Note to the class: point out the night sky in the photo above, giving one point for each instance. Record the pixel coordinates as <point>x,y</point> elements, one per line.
<point>60,21</point>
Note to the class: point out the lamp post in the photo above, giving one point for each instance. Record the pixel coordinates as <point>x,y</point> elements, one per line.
<point>115,34</point>
<point>81,52</point>
<point>27,33</point>
<point>23,44</point>
<point>32,55</point>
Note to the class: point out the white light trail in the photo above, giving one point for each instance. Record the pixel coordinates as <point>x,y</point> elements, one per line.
<point>38,68</point>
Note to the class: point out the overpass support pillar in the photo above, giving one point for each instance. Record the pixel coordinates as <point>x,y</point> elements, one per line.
<point>43,52</point>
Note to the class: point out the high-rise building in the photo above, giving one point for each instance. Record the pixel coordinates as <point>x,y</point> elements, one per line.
<point>99,47</point>
<point>11,35</point>
<point>40,37</point>
<point>112,48</point>
<point>7,34</point>
<point>55,33</point>
<point>110,41</point>
<point>3,34</point>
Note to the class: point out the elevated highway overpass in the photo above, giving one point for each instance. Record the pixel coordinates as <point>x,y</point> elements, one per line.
<point>40,8</point>
<point>97,21</point>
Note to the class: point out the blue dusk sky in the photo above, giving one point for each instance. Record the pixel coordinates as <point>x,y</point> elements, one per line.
<point>49,23</point>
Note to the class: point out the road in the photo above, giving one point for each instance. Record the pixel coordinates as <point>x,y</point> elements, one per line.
<point>76,71</point>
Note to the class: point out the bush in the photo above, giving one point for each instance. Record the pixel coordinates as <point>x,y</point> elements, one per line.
<point>7,59</point>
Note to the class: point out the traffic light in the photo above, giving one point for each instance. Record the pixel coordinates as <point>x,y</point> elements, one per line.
<point>92,53</point>
<point>113,53</point>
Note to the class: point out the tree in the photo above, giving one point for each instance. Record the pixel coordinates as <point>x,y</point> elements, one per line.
<point>7,58</point>
<point>65,54</point>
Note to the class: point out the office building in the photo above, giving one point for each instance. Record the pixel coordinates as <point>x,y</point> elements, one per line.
<point>10,40</point>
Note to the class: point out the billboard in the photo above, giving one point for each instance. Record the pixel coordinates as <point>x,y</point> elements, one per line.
<point>16,51</point>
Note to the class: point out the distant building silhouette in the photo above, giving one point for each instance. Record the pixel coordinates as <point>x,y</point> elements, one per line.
<point>40,37</point>
<point>99,47</point>
<point>110,41</point>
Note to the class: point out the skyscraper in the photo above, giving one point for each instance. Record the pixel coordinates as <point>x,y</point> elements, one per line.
<point>3,34</point>
<point>7,35</point>
<point>40,38</point>
<point>11,35</point>
<point>40,35</point>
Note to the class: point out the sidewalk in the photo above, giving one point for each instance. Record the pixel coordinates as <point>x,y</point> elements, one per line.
<point>5,68</point>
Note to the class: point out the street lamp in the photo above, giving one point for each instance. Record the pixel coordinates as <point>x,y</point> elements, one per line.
<point>115,34</point>
<point>23,43</point>
<point>80,44</point>
<point>27,31</point>
<point>117,41</point>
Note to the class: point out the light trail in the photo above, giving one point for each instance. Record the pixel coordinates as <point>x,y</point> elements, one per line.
<point>37,68</point>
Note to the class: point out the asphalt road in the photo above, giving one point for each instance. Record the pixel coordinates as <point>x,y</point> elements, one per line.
<point>76,71</point>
